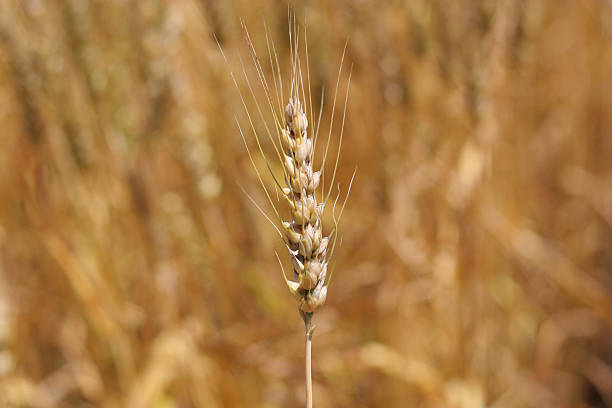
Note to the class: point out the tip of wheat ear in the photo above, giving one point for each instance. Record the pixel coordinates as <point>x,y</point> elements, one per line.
<point>304,231</point>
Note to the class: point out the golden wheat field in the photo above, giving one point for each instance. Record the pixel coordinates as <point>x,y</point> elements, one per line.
<point>474,261</point>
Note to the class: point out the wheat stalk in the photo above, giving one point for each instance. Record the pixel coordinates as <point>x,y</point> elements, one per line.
<point>294,142</point>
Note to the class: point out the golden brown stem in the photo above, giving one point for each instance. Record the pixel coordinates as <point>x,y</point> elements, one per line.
<point>308,369</point>
<point>308,357</point>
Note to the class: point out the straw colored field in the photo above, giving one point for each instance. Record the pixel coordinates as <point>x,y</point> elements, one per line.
<point>476,256</point>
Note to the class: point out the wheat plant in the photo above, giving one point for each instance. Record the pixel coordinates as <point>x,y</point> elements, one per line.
<point>309,241</point>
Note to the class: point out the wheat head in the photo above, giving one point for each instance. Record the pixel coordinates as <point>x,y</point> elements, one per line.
<point>294,144</point>
<point>304,232</point>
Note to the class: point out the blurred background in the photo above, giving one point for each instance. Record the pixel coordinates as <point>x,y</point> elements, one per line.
<point>476,257</point>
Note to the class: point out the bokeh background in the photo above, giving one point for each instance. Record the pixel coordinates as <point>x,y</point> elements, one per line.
<point>476,257</point>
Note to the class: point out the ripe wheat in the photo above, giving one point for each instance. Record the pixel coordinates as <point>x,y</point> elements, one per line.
<point>294,142</point>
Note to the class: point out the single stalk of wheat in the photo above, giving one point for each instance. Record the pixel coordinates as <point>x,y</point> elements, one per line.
<point>294,142</point>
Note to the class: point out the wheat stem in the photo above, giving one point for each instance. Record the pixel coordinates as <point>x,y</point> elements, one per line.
<point>308,358</point>
<point>308,370</point>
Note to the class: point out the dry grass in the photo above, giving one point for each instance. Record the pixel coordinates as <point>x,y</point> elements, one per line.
<point>475,263</point>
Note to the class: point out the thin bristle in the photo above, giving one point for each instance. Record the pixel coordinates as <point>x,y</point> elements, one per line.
<point>257,172</point>
<point>341,132</point>
<point>331,122</point>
